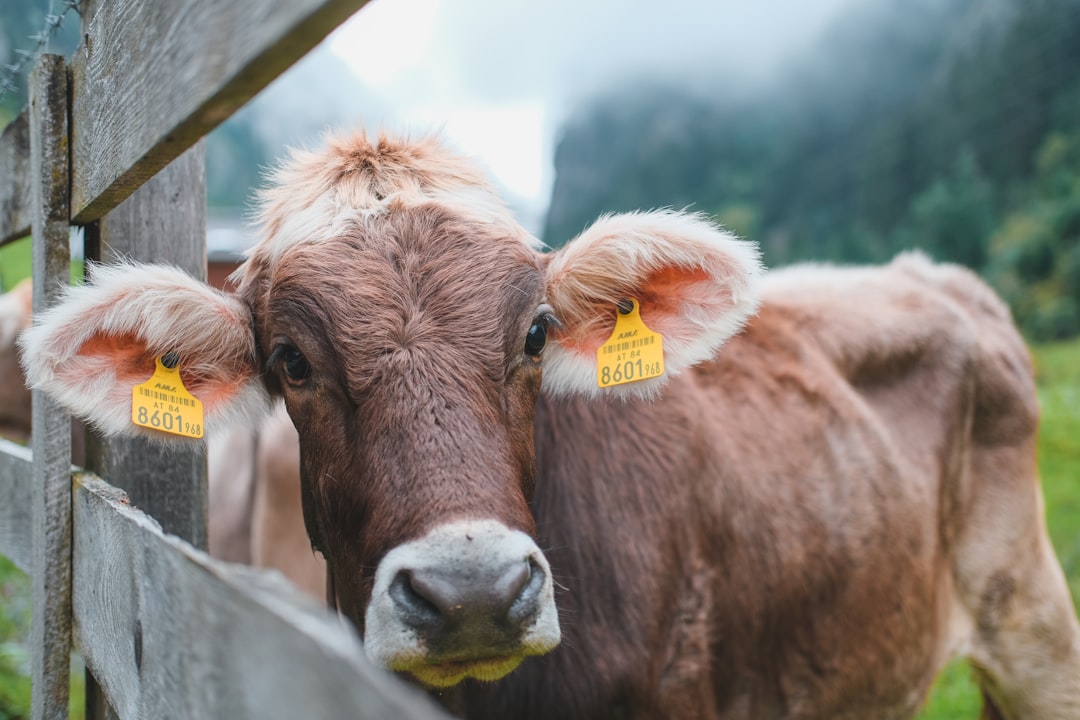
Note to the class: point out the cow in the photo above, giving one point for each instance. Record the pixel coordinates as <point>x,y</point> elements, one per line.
<point>15,317</point>
<point>275,520</point>
<point>254,474</point>
<point>817,488</point>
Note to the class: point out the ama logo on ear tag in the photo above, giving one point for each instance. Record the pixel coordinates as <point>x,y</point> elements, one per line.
<point>632,353</point>
<point>163,403</point>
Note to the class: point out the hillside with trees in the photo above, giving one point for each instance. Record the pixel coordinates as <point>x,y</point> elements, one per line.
<point>947,125</point>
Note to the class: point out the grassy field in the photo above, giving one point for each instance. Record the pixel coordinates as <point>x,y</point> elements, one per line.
<point>955,696</point>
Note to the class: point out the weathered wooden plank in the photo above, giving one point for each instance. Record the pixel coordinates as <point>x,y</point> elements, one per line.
<point>15,504</point>
<point>164,221</point>
<point>15,192</point>
<point>50,627</point>
<point>151,78</point>
<point>170,632</point>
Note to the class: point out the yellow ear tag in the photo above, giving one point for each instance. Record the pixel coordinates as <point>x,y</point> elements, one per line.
<point>163,403</point>
<point>632,353</point>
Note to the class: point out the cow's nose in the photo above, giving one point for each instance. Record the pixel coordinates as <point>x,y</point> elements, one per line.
<point>494,603</point>
<point>471,598</point>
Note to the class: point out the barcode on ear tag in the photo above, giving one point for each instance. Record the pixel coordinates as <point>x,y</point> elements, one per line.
<point>163,403</point>
<point>632,353</point>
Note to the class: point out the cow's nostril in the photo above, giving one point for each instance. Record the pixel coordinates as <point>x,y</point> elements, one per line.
<point>527,601</point>
<point>454,599</point>
<point>506,590</point>
<point>416,604</point>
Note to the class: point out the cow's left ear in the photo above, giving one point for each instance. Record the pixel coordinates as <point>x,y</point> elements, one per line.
<point>105,338</point>
<point>695,285</point>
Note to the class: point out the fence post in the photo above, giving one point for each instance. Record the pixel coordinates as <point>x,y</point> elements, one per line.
<point>163,221</point>
<point>50,627</point>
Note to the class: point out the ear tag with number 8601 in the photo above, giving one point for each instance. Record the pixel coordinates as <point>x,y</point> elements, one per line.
<point>632,353</point>
<point>163,403</point>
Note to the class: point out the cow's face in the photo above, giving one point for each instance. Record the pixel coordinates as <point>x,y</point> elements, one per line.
<point>414,395</point>
<point>409,325</point>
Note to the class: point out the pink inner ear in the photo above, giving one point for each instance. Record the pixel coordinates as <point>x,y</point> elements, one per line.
<point>129,358</point>
<point>665,291</point>
<point>125,353</point>
<point>675,301</point>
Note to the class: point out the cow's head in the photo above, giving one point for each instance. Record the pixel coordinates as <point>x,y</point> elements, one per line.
<point>410,324</point>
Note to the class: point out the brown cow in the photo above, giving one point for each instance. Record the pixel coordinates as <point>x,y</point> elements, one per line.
<point>255,514</point>
<point>278,538</point>
<point>807,525</point>
<point>15,315</point>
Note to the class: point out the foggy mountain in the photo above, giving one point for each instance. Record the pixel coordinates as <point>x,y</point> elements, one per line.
<point>949,125</point>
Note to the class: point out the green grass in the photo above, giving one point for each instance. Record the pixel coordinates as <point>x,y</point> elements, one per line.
<point>15,266</point>
<point>14,658</point>
<point>14,263</point>
<point>1058,374</point>
<point>14,626</point>
<point>1057,366</point>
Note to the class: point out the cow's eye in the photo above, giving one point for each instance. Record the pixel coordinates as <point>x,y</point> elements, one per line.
<point>536,338</point>
<point>296,366</point>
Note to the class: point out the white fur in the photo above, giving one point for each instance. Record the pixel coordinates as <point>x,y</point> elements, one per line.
<point>302,205</point>
<point>634,245</point>
<point>475,544</point>
<point>169,311</point>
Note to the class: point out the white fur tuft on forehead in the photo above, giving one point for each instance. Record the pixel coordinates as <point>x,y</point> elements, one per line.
<point>318,195</point>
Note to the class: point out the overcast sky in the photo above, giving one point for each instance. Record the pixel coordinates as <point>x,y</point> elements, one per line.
<point>498,77</point>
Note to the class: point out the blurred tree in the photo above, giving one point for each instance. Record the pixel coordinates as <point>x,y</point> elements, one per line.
<point>953,218</point>
<point>1035,254</point>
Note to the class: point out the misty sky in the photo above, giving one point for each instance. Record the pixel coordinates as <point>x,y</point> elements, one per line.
<point>499,76</point>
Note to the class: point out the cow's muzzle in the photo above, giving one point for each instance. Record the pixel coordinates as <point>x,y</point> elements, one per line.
<point>469,599</point>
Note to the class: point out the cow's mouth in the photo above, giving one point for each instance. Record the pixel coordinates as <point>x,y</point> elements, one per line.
<point>449,673</point>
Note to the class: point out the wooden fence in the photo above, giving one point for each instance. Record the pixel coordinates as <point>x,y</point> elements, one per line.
<point>112,142</point>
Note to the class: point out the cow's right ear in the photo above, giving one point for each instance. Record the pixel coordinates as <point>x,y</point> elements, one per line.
<point>104,338</point>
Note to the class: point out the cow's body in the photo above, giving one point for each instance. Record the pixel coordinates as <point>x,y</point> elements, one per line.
<point>278,538</point>
<point>805,528</point>
<point>807,525</point>
<point>255,515</point>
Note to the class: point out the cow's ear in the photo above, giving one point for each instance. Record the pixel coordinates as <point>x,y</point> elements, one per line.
<point>695,286</point>
<point>104,338</point>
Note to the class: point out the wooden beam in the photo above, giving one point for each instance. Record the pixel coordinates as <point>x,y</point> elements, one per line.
<point>50,626</point>
<point>15,504</point>
<point>164,221</point>
<point>170,632</point>
<point>151,78</point>
<point>15,192</point>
